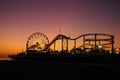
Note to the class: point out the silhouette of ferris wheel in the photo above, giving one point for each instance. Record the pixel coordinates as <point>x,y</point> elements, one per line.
<point>37,41</point>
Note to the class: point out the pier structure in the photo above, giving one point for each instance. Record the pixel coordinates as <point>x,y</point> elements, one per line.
<point>38,43</point>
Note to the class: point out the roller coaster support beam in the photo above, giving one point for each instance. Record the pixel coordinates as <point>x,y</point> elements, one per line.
<point>84,41</point>
<point>62,43</point>
<point>112,50</point>
<point>67,44</point>
<point>75,44</point>
<point>95,41</point>
<point>54,45</point>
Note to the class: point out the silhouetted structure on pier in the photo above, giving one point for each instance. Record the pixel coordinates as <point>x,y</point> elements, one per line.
<point>39,41</point>
<point>38,47</point>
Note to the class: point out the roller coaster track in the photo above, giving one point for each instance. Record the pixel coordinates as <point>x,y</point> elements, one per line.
<point>59,36</point>
<point>92,34</point>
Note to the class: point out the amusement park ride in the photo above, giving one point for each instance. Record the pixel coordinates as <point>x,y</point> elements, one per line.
<point>39,43</point>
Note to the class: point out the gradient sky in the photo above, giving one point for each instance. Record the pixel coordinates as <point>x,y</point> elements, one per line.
<point>20,18</point>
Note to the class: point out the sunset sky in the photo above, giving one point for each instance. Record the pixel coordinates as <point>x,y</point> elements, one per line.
<point>20,18</point>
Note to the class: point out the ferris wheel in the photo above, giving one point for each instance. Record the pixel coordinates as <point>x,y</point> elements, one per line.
<point>37,41</point>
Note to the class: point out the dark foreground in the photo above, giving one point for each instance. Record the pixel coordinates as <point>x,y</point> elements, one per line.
<point>58,71</point>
